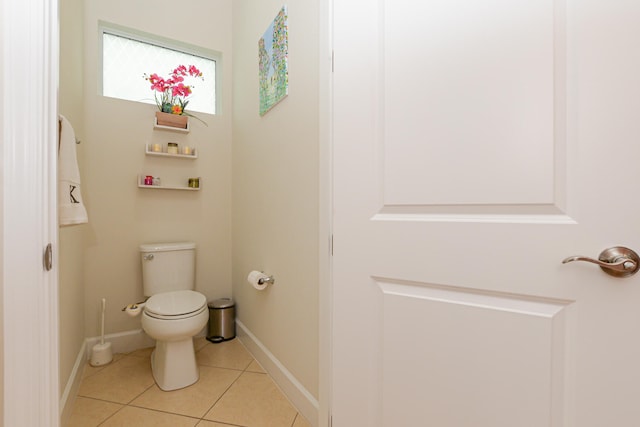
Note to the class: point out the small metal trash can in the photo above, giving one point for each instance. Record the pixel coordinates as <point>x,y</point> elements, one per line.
<point>222,323</point>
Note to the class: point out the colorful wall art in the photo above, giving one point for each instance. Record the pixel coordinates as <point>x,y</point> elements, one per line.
<point>273,51</point>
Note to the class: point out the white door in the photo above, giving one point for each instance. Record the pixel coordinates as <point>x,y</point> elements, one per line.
<point>476,145</point>
<point>29,385</point>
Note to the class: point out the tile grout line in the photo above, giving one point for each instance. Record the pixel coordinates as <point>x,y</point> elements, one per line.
<point>245,370</point>
<point>141,393</point>
<point>102,400</point>
<point>222,395</point>
<point>165,412</point>
<point>110,416</point>
<point>124,405</point>
<point>230,385</point>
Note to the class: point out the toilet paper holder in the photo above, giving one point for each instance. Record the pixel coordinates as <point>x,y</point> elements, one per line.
<point>259,280</point>
<point>268,280</point>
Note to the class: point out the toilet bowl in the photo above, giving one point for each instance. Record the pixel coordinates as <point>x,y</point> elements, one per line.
<point>173,312</point>
<point>172,319</point>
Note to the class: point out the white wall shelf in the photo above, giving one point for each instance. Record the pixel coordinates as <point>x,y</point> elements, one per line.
<point>170,128</point>
<point>141,184</point>
<point>149,152</point>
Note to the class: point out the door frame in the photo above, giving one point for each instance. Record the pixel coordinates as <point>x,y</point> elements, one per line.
<point>28,124</point>
<point>325,228</point>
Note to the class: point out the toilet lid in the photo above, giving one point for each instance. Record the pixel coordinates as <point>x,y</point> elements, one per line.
<point>175,303</point>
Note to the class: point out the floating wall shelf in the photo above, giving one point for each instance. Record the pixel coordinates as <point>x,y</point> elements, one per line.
<point>141,184</point>
<point>148,151</point>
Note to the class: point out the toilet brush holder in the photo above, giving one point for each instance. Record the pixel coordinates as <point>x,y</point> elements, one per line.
<point>101,353</point>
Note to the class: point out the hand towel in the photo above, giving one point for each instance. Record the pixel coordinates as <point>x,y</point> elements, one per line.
<point>71,209</point>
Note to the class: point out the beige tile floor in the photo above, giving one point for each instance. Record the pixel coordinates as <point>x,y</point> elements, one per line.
<point>233,390</point>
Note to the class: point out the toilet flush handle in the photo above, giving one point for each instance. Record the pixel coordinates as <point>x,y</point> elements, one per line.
<point>148,257</point>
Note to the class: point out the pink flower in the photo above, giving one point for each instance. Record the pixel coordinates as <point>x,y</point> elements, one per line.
<point>181,90</point>
<point>181,70</point>
<point>193,71</point>
<point>173,91</point>
<point>157,82</point>
<point>159,86</point>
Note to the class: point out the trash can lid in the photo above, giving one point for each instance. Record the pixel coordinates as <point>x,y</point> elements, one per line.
<point>221,303</point>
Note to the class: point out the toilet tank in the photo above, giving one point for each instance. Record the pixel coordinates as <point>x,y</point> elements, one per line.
<point>168,267</point>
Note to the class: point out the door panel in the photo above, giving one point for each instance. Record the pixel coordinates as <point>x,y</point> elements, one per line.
<point>517,348</point>
<point>465,106</point>
<point>475,146</point>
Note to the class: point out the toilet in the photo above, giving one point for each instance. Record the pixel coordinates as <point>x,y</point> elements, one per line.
<point>173,313</point>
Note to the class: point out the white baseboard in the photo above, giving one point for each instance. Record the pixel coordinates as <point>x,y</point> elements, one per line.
<point>122,342</point>
<point>73,384</point>
<point>299,396</point>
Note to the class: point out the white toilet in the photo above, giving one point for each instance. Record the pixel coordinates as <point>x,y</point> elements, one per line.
<point>174,312</point>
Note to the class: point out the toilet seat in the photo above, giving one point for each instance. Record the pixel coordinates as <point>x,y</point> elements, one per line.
<point>175,305</point>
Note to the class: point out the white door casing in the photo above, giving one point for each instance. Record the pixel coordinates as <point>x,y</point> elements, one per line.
<point>476,145</point>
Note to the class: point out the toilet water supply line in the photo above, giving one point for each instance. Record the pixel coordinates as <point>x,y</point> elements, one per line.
<point>134,309</point>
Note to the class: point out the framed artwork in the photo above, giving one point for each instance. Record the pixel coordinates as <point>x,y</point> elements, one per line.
<point>273,52</point>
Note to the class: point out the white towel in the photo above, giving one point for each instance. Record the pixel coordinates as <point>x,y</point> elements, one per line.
<point>71,210</point>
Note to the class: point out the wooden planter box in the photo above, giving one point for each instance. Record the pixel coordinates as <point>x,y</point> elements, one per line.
<point>172,120</point>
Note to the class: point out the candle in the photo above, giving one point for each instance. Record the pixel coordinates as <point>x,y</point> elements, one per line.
<point>156,148</point>
<point>172,147</point>
<point>187,150</point>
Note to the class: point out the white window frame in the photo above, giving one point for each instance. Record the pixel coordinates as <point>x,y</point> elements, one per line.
<point>118,30</point>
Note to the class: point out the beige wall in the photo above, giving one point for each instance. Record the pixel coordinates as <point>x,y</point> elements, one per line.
<point>275,189</point>
<point>122,216</point>
<point>70,239</point>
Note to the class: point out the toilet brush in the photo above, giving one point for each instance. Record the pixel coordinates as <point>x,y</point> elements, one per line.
<point>101,353</point>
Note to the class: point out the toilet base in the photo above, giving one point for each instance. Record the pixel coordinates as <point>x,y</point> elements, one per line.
<point>173,364</point>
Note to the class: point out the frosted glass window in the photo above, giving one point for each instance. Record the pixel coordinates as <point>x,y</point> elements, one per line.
<point>125,61</point>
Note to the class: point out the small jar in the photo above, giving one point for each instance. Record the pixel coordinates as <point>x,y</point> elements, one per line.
<point>172,147</point>
<point>194,182</point>
<point>156,148</point>
<point>187,150</point>
<point>148,180</point>
<point>156,180</point>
